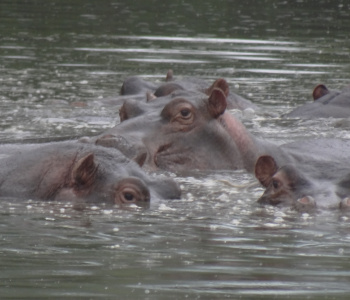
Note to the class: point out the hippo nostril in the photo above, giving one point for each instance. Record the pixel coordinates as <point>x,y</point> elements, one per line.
<point>160,154</point>
<point>307,200</point>
<point>305,203</point>
<point>117,142</point>
<point>140,158</point>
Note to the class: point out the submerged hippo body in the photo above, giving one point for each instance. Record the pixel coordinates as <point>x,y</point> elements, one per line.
<point>326,104</point>
<point>315,178</point>
<point>72,171</point>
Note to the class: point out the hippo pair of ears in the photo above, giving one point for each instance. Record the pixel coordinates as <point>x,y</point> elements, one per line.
<point>319,91</point>
<point>265,168</point>
<point>84,172</point>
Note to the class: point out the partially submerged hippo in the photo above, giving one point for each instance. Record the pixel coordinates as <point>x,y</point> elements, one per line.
<point>301,188</point>
<point>136,86</point>
<point>185,131</point>
<point>133,107</point>
<point>73,171</point>
<point>326,104</point>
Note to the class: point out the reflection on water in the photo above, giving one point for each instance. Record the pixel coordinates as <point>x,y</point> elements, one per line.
<point>61,61</point>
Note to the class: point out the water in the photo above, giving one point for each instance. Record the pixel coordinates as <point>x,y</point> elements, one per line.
<point>59,60</point>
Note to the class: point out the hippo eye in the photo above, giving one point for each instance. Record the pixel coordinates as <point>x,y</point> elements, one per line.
<point>131,190</point>
<point>128,196</point>
<point>275,184</point>
<point>184,116</point>
<point>185,113</point>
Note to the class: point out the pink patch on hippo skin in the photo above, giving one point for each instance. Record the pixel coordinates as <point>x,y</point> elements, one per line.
<point>242,138</point>
<point>307,200</point>
<point>345,203</point>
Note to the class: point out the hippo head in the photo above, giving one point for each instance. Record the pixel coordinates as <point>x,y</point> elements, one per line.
<point>90,181</point>
<point>105,175</point>
<point>285,185</point>
<point>181,131</point>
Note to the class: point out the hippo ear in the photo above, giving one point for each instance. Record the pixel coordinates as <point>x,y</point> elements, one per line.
<point>84,171</point>
<point>169,75</point>
<point>265,167</point>
<point>220,84</point>
<point>319,91</point>
<point>140,158</point>
<point>217,103</point>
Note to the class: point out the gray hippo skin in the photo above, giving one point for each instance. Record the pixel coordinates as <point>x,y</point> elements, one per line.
<point>322,183</point>
<point>335,104</point>
<point>73,171</point>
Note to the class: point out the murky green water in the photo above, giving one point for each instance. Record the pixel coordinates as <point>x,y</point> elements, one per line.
<point>216,242</point>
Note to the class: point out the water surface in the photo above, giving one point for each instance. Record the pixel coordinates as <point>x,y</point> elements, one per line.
<point>59,60</point>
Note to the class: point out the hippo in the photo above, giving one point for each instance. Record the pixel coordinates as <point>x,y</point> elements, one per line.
<point>335,104</point>
<point>133,107</point>
<point>78,172</point>
<point>183,131</point>
<point>301,188</point>
<point>136,86</point>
